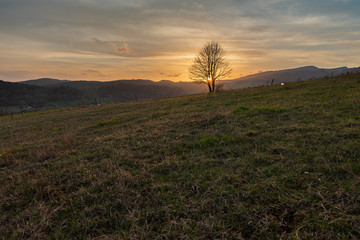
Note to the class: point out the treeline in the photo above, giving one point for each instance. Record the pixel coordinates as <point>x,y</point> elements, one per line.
<point>16,97</point>
<point>14,94</point>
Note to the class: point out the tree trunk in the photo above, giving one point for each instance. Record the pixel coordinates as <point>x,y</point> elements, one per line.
<point>209,85</point>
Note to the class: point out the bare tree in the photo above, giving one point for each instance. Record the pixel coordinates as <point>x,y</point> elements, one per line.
<point>210,65</point>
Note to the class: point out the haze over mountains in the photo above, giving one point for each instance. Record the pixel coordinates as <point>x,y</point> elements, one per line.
<point>47,93</point>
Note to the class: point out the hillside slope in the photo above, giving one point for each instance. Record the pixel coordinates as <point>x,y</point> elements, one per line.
<point>265,162</point>
<point>286,76</point>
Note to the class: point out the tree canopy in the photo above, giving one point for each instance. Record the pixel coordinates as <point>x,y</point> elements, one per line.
<point>210,65</point>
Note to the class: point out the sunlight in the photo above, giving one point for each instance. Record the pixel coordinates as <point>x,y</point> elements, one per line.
<point>208,80</point>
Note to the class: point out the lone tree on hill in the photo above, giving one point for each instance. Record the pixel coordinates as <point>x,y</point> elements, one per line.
<point>210,65</point>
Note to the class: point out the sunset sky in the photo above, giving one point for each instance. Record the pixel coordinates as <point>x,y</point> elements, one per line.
<point>157,39</point>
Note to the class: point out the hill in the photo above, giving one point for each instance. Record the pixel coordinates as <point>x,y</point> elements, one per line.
<point>286,76</point>
<point>44,82</point>
<point>259,163</point>
<point>42,94</point>
<point>17,97</point>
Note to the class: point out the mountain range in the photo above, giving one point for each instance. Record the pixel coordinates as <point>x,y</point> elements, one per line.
<point>48,93</point>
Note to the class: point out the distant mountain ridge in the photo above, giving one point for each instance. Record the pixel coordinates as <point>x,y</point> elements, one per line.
<point>45,93</point>
<point>285,76</point>
<point>258,79</point>
<point>44,82</point>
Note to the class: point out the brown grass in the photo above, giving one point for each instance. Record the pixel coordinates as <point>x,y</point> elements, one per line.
<point>260,163</point>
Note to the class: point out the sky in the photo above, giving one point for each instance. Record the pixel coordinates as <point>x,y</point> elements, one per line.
<point>157,39</point>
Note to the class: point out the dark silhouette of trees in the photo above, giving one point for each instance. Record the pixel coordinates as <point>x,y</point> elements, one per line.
<point>210,65</point>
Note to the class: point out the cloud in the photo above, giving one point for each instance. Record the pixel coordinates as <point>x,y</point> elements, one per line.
<point>198,5</point>
<point>116,48</point>
<point>175,75</point>
<point>157,33</point>
<point>92,73</point>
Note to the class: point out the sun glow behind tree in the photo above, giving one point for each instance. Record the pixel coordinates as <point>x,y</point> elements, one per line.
<point>210,66</point>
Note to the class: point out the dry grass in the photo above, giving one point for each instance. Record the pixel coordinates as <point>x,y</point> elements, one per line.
<point>263,163</point>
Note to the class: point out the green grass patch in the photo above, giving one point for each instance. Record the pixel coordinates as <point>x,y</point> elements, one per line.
<point>211,141</point>
<point>258,111</point>
<point>158,114</point>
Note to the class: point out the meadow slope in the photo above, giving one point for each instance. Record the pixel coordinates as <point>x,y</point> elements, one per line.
<point>264,162</point>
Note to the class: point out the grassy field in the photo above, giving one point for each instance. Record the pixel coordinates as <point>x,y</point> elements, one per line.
<point>268,162</point>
